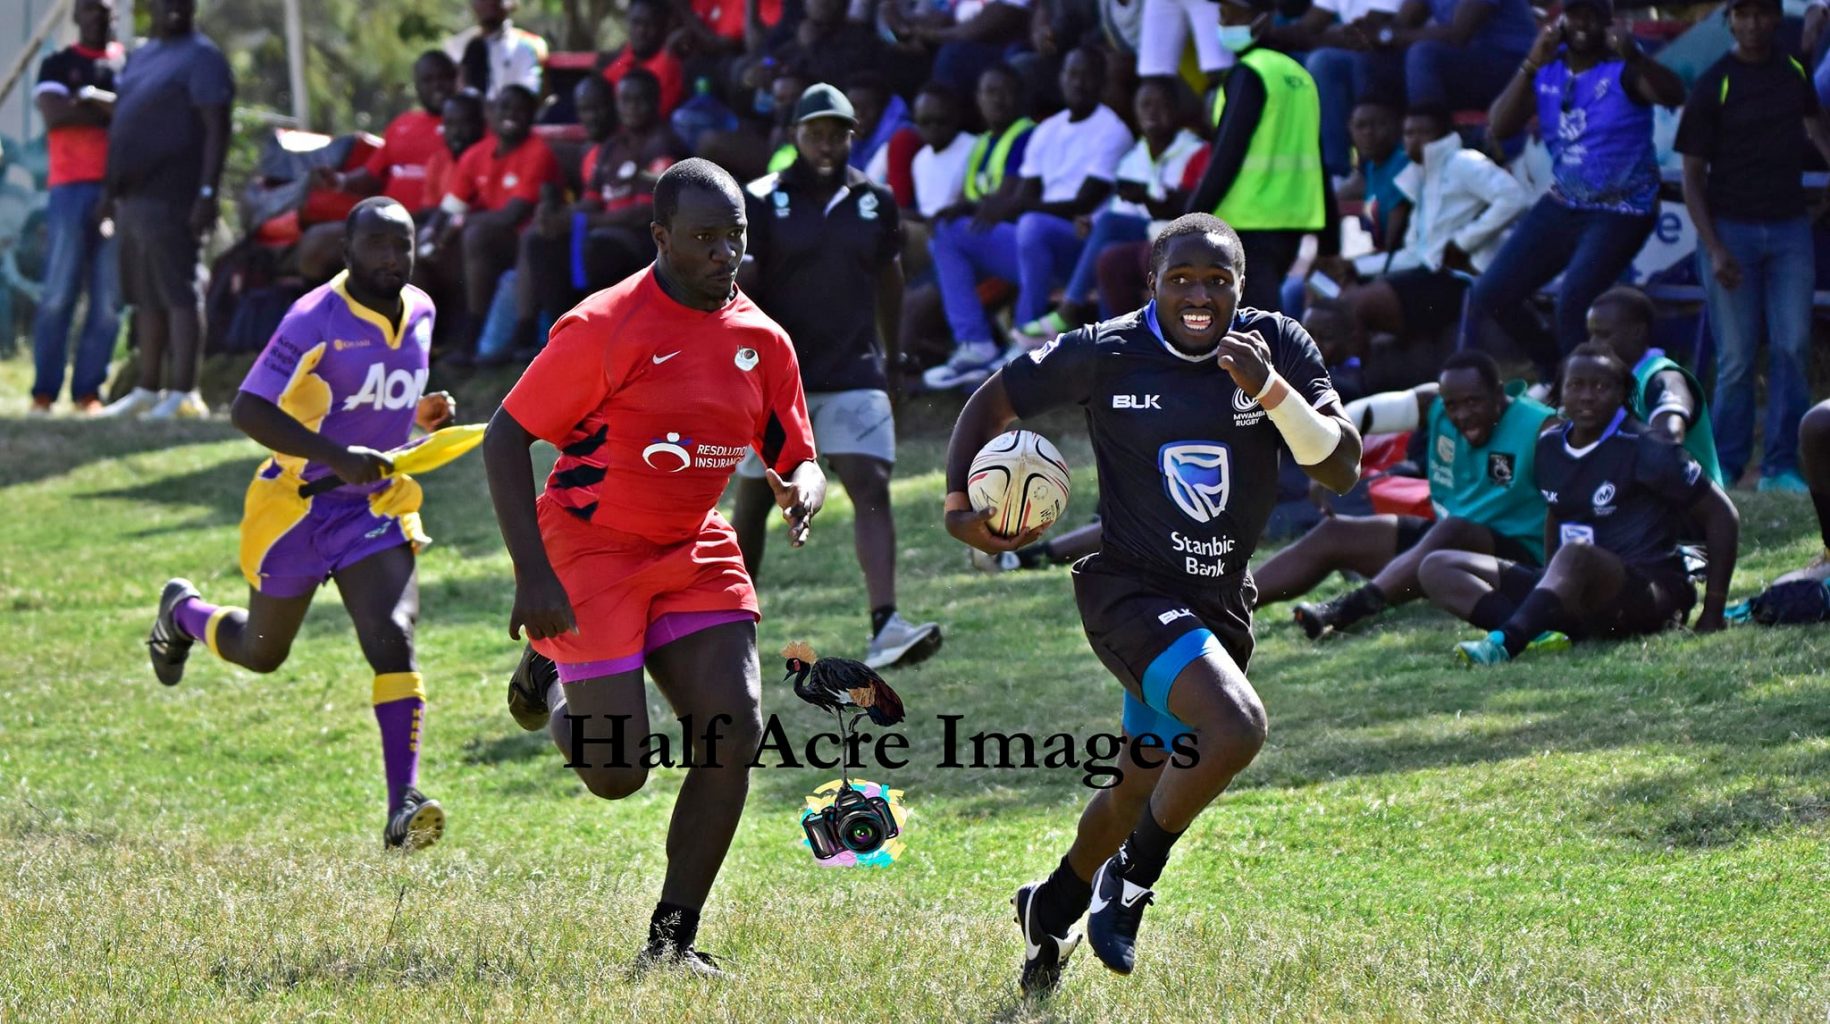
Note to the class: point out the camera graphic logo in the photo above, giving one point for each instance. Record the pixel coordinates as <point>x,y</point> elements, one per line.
<point>854,823</point>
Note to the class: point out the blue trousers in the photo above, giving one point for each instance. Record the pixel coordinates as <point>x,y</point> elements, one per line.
<point>1437,74</point>
<point>78,258</point>
<point>1109,229</point>
<point>1035,252</point>
<point>1778,271</point>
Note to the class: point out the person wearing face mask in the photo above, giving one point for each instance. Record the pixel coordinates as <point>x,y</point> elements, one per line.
<point>1264,175</point>
<point>827,265</point>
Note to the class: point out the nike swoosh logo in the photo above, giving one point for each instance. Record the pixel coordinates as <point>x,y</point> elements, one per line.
<point>1099,904</point>
<point>658,360</point>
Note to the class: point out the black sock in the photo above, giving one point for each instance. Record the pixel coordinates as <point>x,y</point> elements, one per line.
<point>1147,849</point>
<point>1820,500</point>
<point>1492,611</point>
<point>673,925</point>
<point>1035,556</point>
<point>1062,898</point>
<point>879,616</point>
<point>1363,603</point>
<point>1541,610</point>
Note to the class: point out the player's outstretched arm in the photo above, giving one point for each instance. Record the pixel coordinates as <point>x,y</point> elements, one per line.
<point>1391,412</point>
<point>274,430</point>
<point>541,603</point>
<point>987,414</point>
<point>1722,534</point>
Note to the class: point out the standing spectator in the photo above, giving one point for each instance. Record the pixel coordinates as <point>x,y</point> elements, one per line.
<point>1027,233</point>
<point>827,245</point>
<point>647,49</point>
<point>493,54</point>
<point>398,168</point>
<point>1457,52</point>
<point>166,146</point>
<point>1594,91</point>
<point>1743,141</point>
<point>1264,173</point>
<point>75,96</point>
<point>492,193</point>
<point>1338,37</point>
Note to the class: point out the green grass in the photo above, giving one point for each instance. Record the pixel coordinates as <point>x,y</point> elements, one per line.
<point>1623,832</point>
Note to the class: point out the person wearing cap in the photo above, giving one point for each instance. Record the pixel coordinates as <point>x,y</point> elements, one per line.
<point>1592,90</point>
<point>1743,142</point>
<point>825,263</point>
<point>1264,175</point>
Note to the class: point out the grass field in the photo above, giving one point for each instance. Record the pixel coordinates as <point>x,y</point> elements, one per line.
<point>1622,832</point>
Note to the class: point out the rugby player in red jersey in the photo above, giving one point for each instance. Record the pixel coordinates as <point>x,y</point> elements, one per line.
<point>653,390</point>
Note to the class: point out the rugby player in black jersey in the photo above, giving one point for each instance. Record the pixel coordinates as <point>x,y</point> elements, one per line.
<point>1189,402</point>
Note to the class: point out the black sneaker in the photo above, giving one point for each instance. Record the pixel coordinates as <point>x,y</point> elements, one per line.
<point>418,824</point>
<point>1045,956</point>
<point>1117,910</point>
<point>657,955</point>
<point>167,645</point>
<point>527,689</point>
<point>1316,619</point>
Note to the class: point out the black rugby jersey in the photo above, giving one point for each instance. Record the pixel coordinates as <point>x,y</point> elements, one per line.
<point>1627,493</point>
<point>1187,460</point>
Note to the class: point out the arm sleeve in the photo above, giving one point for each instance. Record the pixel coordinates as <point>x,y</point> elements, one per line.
<point>1668,471</point>
<point>1662,395</point>
<point>379,161</point>
<point>211,83</point>
<point>48,79</point>
<point>784,438</point>
<point>1029,164</point>
<point>1245,102</point>
<point>570,377</point>
<point>1058,374</point>
<point>279,360</point>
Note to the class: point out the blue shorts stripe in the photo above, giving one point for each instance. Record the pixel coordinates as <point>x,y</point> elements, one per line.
<point>1139,720</point>
<point>1162,673</point>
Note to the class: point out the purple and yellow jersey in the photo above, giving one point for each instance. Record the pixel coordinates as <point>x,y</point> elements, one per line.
<point>341,369</point>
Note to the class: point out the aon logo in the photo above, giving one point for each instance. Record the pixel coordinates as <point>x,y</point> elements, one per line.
<point>384,390</point>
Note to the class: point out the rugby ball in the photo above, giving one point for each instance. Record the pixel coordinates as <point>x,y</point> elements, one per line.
<point>1022,479</point>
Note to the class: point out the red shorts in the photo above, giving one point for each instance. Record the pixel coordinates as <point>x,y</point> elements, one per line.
<point>620,583</point>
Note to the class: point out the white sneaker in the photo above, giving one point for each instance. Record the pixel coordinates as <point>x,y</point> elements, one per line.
<point>136,403</point>
<point>180,405</point>
<point>972,364</point>
<point>901,643</point>
<point>991,565</point>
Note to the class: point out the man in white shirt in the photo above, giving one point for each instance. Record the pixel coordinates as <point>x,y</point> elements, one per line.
<point>494,53</point>
<point>939,169</point>
<point>1028,236</point>
<point>1462,206</point>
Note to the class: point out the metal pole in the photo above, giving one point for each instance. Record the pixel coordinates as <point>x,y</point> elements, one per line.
<point>295,64</point>
<point>46,24</point>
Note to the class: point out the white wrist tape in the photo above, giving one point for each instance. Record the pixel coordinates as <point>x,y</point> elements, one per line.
<point>1312,437</point>
<point>1388,412</point>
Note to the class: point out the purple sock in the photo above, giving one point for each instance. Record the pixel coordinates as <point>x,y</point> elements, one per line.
<point>193,616</point>
<point>400,720</point>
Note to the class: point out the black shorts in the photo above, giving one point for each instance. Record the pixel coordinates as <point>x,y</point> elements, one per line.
<point>1412,528</point>
<point>1145,629</point>
<point>1430,299</point>
<point>1652,600</point>
<point>160,257</point>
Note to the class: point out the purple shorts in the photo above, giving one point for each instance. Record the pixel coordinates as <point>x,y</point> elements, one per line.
<point>290,546</point>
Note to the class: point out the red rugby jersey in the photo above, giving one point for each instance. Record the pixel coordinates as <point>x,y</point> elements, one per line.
<point>652,404</point>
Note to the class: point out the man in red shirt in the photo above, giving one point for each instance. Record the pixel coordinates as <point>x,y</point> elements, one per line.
<point>647,49</point>
<point>398,168</point>
<point>653,391</point>
<point>492,193</point>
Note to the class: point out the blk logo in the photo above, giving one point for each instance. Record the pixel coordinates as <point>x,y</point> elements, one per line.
<point>1136,402</point>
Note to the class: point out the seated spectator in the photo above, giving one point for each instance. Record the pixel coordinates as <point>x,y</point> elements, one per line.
<point>1665,396</point>
<point>1743,140</point>
<point>886,136</point>
<point>439,270</point>
<point>1338,39</point>
<point>1149,187</point>
<point>493,192</point>
<point>1376,131</point>
<point>1027,234</point>
<point>714,29</point>
<point>1167,26</point>
<point>823,46</point>
<point>1617,494</point>
<point>647,27</point>
<point>941,178</point>
<point>1480,443</point>
<point>938,171</point>
<point>1458,54</point>
<point>1593,92</point>
<point>1264,171</point>
<point>462,124</point>
<point>965,38</point>
<point>1464,205</point>
<point>398,169</point>
<point>494,54</point>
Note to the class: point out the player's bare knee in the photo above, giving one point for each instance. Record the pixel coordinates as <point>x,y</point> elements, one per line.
<point>613,783</point>
<point>264,660</point>
<point>1437,569</point>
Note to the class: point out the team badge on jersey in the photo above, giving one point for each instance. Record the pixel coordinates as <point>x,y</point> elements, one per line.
<point>1198,477</point>
<point>1500,468</point>
<point>668,449</point>
<point>747,359</point>
<point>867,207</point>
<point>1603,499</point>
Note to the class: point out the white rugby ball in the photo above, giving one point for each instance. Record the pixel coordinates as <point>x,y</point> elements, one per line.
<point>1022,478</point>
